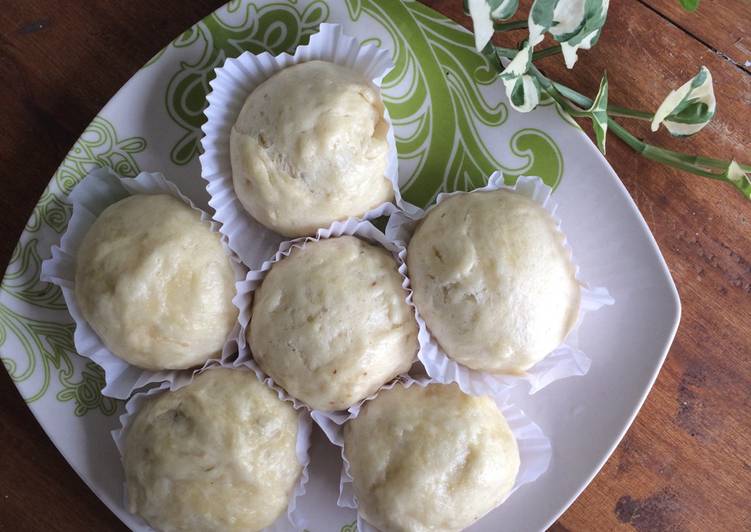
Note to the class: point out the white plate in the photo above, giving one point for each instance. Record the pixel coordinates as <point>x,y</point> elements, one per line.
<point>452,127</point>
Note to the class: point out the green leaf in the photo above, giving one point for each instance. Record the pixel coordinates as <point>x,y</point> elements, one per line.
<point>689,108</point>
<point>519,64</point>
<point>484,12</point>
<point>540,19</point>
<point>493,59</point>
<point>739,178</point>
<point>503,9</point>
<point>689,5</point>
<point>573,23</point>
<point>598,112</point>
<point>522,90</point>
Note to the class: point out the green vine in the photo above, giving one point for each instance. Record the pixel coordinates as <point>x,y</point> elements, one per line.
<point>575,25</point>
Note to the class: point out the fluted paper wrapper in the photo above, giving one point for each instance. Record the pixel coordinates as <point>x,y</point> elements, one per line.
<point>234,82</point>
<point>293,519</point>
<point>362,229</point>
<point>97,191</point>
<point>566,360</point>
<point>535,451</point>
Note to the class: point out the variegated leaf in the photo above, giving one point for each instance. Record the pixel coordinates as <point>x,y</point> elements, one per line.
<point>540,19</point>
<point>523,93</point>
<point>599,114</point>
<point>688,109</point>
<point>576,24</point>
<point>484,12</point>
<point>503,9</point>
<point>739,178</point>
<point>522,90</point>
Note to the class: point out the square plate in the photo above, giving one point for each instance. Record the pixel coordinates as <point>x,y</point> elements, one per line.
<point>453,128</point>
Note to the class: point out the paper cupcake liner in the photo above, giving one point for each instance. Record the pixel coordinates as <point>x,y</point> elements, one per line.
<point>245,289</point>
<point>567,360</point>
<point>535,451</point>
<point>234,81</point>
<point>97,191</point>
<point>293,519</point>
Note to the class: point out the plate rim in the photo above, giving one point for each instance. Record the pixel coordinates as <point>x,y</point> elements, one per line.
<point>675,300</point>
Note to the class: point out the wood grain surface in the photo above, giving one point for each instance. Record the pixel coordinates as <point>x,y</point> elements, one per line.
<point>685,464</point>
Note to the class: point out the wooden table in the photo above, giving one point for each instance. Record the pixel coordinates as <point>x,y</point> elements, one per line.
<point>685,464</point>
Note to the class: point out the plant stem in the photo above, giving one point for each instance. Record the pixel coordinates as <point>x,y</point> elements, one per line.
<point>625,112</point>
<point>553,50</point>
<point>660,155</point>
<point>706,162</point>
<point>613,110</point>
<point>571,94</point>
<point>508,53</point>
<point>507,26</point>
<point>690,163</point>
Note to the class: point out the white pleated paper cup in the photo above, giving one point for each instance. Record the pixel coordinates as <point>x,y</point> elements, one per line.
<point>567,360</point>
<point>97,191</point>
<point>535,450</point>
<point>293,519</point>
<point>362,229</point>
<point>234,82</point>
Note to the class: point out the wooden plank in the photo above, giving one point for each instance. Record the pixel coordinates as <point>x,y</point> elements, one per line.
<point>723,25</point>
<point>59,68</point>
<point>38,489</point>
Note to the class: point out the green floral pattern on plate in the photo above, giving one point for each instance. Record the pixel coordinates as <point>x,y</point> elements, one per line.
<point>436,118</point>
<point>440,96</point>
<point>437,114</point>
<point>275,27</point>
<point>51,346</point>
<point>444,105</point>
<point>351,527</point>
<point>48,350</point>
